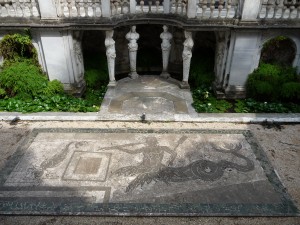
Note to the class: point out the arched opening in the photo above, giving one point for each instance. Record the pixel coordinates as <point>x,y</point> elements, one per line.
<point>280,50</point>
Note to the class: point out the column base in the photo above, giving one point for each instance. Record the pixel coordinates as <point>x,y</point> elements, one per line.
<point>184,85</point>
<point>112,83</point>
<point>133,75</point>
<point>77,90</point>
<point>165,75</point>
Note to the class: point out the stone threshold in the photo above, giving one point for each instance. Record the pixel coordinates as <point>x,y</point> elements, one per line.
<point>200,117</point>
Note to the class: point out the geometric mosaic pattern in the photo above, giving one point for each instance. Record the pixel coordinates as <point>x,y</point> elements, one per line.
<point>142,172</point>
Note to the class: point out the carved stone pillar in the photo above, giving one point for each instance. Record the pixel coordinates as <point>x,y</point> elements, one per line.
<point>186,57</point>
<point>166,48</point>
<point>111,56</point>
<point>222,38</point>
<point>132,36</point>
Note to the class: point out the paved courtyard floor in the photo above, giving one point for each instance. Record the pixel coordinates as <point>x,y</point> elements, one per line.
<point>152,169</point>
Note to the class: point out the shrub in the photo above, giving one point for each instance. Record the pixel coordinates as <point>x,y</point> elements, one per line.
<point>266,82</point>
<point>15,46</point>
<point>291,91</point>
<point>23,78</point>
<point>53,87</point>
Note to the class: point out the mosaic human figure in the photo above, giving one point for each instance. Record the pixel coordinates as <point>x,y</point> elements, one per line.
<point>132,36</point>
<point>186,56</point>
<point>111,56</point>
<point>166,37</point>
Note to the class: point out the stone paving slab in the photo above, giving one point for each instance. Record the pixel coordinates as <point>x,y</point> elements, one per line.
<point>142,172</point>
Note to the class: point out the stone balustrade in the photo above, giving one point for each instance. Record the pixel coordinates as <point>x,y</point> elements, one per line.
<point>79,8</point>
<point>200,9</point>
<point>19,8</point>
<point>217,9</point>
<point>280,9</point>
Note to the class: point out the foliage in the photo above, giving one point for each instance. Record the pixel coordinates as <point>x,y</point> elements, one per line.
<point>96,73</point>
<point>267,81</point>
<point>15,46</point>
<point>291,91</point>
<point>201,70</point>
<point>53,87</point>
<point>45,103</point>
<point>204,101</point>
<point>24,87</point>
<point>23,78</point>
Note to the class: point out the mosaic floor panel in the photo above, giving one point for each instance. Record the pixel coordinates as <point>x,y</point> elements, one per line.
<point>142,172</point>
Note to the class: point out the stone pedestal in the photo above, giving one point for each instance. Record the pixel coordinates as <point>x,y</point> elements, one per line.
<point>166,48</point>
<point>186,57</point>
<point>111,56</point>
<point>132,36</point>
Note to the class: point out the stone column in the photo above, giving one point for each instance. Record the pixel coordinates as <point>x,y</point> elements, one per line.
<point>166,48</point>
<point>111,56</point>
<point>132,36</point>
<point>222,38</point>
<point>186,57</point>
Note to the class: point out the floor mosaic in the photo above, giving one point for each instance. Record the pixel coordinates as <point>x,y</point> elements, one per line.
<point>142,172</point>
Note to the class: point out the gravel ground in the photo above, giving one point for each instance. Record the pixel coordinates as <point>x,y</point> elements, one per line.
<point>281,143</point>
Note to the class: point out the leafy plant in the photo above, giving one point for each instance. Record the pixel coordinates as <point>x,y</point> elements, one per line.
<point>201,70</point>
<point>291,91</point>
<point>15,46</point>
<point>53,87</point>
<point>267,81</point>
<point>23,78</point>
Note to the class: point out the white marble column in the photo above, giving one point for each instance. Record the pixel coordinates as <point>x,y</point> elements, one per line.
<point>132,36</point>
<point>186,57</point>
<point>166,37</point>
<point>111,56</point>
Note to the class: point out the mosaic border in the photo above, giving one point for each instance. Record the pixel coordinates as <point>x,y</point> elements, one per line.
<point>17,206</point>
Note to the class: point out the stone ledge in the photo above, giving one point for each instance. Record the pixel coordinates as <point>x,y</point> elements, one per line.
<point>200,117</point>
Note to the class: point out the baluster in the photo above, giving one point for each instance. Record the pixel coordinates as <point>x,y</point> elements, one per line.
<point>1,7</point>
<point>150,4</point>
<point>183,5</point>
<point>277,8</point>
<point>292,8</point>
<point>112,7</point>
<point>298,11</point>
<point>176,6</point>
<point>228,7</point>
<point>23,8</point>
<point>284,8</point>
<point>69,5</point>
<point>93,5</point>
<point>18,6</point>
<point>268,8</point>
<point>62,6</point>
<point>6,6</point>
<point>122,6</point>
<point>180,7</point>
<point>220,7</point>
<point>86,8</point>
<point>77,6</point>
<point>142,6</point>
<point>157,6</point>
<point>204,7</point>
<point>212,8</point>
<point>13,7</point>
